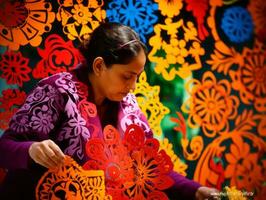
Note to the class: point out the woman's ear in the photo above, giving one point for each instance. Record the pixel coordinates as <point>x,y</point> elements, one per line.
<point>98,66</point>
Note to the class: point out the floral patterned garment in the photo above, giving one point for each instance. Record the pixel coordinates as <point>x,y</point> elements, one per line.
<point>58,109</point>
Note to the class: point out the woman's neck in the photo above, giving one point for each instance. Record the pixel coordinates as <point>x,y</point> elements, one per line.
<point>97,97</point>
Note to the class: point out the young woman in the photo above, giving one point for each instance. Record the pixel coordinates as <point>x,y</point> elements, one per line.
<point>67,109</point>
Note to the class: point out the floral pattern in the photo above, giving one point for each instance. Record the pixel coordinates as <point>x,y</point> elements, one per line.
<point>24,22</point>
<point>79,18</point>
<point>237,24</point>
<point>70,181</point>
<point>57,56</point>
<point>134,166</point>
<point>14,68</point>
<point>140,15</point>
<point>242,167</point>
<point>171,55</point>
<point>186,40</point>
<point>250,79</point>
<point>210,105</point>
<point>11,99</point>
<point>148,100</point>
<point>169,8</point>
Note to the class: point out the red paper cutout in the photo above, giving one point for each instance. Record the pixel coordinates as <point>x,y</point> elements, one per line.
<point>11,100</point>
<point>57,56</point>
<point>134,167</point>
<point>199,9</point>
<point>14,68</point>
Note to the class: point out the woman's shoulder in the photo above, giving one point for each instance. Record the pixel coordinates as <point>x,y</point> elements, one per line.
<point>63,82</point>
<point>55,79</point>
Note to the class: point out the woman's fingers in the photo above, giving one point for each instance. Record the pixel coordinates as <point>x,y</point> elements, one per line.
<point>40,159</point>
<point>46,153</point>
<point>56,150</point>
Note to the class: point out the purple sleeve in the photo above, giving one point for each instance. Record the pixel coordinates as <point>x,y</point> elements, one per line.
<point>32,122</point>
<point>183,187</point>
<point>14,154</point>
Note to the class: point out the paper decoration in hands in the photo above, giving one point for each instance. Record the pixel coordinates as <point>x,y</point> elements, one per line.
<point>134,167</point>
<point>71,182</point>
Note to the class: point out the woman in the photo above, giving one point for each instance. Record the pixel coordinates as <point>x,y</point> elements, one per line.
<point>67,109</point>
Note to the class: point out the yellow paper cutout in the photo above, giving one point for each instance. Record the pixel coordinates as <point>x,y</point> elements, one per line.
<point>71,182</point>
<point>170,8</point>
<point>171,57</point>
<point>78,20</point>
<point>149,102</point>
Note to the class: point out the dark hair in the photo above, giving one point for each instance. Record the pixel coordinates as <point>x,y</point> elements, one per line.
<point>114,42</point>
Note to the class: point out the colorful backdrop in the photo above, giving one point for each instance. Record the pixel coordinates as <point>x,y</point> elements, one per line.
<point>204,87</point>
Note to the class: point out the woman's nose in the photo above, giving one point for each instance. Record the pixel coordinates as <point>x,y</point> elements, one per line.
<point>132,85</point>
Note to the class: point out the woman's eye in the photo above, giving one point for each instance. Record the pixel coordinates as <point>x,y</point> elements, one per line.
<point>127,77</point>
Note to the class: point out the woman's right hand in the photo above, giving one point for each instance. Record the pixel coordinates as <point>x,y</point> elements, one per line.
<point>46,153</point>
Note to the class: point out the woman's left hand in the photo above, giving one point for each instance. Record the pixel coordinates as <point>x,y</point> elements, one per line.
<point>206,193</point>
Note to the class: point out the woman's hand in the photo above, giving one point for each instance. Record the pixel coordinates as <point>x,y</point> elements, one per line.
<point>46,153</point>
<point>206,193</point>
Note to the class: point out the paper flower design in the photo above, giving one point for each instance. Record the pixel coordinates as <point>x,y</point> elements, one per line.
<point>237,24</point>
<point>140,15</point>
<point>10,100</point>
<point>170,8</point>
<point>14,67</point>
<point>210,106</point>
<point>24,22</point>
<point>57,56</point>
<point>176,49</point>
<point>71,182</point>
<point>134,167</point>
<point>149,102</point>
<point>249,79</point>
<point>80,18</point>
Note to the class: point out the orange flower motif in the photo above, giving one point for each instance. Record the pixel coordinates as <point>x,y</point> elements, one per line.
<point>14,68</point>
<point>210,105</point>
<point>250,78</point>
<point>23,22</point>
<point>243,167</point>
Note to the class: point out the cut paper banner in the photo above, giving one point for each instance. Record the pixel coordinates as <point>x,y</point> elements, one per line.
<point>71,182</point>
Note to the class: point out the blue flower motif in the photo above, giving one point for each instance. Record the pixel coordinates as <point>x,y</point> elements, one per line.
<point>138,14</point>
<point>237,24</point>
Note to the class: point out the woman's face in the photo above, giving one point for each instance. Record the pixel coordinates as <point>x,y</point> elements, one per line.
<point>117,80</point>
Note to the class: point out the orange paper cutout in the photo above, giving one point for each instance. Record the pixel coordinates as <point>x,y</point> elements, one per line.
<point>71,182</point>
